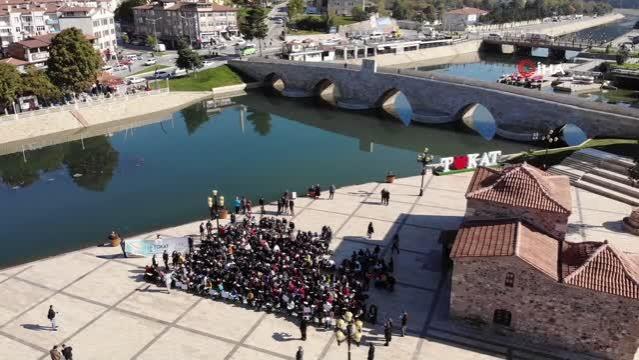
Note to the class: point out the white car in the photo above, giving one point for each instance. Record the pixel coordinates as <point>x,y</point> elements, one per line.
<point>135,80</point>
<point>120,67</point>
<point>107,68</point>
<point>161,75</point>
<point>150,62</point>
<point>206,63</point>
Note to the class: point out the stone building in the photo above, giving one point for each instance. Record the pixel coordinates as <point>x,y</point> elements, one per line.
<point>512,276</point>
<point>521,192</point>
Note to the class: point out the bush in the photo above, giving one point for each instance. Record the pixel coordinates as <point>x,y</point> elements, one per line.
<point>310,23</point>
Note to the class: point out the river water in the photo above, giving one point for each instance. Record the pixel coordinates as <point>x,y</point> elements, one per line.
<point>72,195</point>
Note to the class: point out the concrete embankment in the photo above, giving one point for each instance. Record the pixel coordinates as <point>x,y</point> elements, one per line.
<point>473,46</point>
<point>27,127</point>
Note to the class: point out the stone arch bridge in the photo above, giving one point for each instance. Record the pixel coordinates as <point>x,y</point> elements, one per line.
<point>437,98</point>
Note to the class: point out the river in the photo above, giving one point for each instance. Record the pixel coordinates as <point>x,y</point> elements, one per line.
<point>71,195</point>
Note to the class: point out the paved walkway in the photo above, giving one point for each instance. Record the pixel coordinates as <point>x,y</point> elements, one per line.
<point>107,312</point>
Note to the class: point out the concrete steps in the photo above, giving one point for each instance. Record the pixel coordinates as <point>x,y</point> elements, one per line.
<point>601,173</point>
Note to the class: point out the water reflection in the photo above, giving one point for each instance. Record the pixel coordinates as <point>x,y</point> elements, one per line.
<point>195,116</point>
<point>261,122</point>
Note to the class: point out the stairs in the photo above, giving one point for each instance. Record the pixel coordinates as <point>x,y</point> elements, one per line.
<point>601,173</point>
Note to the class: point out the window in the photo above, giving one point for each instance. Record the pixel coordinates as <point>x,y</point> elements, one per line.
<point>105,21</point>
<point>502,317</point>
<point>112,31</point>
<point>111,21</point>
<point>510,279</point>
<point>40,28</point>
<point>96,23</point>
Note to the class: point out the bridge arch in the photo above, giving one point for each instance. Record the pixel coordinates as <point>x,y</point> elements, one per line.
<point>327,90</point>
<point>274,81</point>
<point>478,118</point>
<point>395,103</point>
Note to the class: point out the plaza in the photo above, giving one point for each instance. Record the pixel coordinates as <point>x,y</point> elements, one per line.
<point>106,310</point>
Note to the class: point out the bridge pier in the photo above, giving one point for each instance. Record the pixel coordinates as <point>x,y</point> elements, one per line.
<point>556,54</point>
<point>523,50</point>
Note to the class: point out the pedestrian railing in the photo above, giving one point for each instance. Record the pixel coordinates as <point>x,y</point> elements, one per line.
<point>542,43</point>
<point>85,103</point>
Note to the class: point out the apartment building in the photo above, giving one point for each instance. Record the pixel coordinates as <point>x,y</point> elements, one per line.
<point>199,23</point>
<point>97,22</point>
<point>21,20</point>
<point>33,50</point>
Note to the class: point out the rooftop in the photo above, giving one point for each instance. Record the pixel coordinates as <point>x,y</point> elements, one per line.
<point>522,186</point>
<point>14,61</point>
<point>468,11</point>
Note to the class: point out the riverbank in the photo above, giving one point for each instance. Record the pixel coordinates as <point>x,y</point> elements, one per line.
<point>97,292</point>
<point>135,108</point>
<point>435,54</point>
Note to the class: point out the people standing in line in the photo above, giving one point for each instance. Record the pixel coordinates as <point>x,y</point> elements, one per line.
<point>55,354</point>
<point>123,246</point>
<point>209,227</point>
<point>279,206</point>
<point>387,197</point>
<point>201,231</point>
<point>291,206</point>
<point>403,318</point>
<point>243,204</point>
<point>67,352</point>
<point>383,196</point>
<point>299,355</point>
<point>303,326</point>
<point>51,314</point>
<point>190,244</point>
<point>388,333</point>
<point>261,202</point>
<point>370,230</point>
<point>371,351</point>
<point>165,258</point>
<point>331,192</point>
<point>395,243</point>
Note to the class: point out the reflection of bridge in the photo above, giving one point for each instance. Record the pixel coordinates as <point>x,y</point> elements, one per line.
<point>525,45</point>
<point>436,98</point>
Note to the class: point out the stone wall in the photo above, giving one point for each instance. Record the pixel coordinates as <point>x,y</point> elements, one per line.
<point>543,310</point>
<point>550,223</point>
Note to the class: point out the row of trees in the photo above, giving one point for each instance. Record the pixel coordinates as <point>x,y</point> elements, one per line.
<point>72,67</point>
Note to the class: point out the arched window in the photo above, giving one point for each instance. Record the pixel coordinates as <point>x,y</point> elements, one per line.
<point>502,317</point>
<point>510,279</point>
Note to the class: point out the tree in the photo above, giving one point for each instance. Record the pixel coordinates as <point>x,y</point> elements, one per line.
<point>381,8</point>
<point>151,41</point>
<point>254,24</point>
<point>261,122</point>
<point>430,13</point>
<point>10,85</point>
<point>187,58</point>
<point>37,83</point>
<point>359,14</point>
<point>295,7</point>
<point>622,56</point>
<point>124,12</point>
<point>73,63</point>
<point>96,160</point>
<point>400,10</point>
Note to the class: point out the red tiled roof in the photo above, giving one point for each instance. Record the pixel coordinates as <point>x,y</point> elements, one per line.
<point>607,270</point>
<point>33,43</point>
<point>510,237</point>
<point>468,11</point>
<point>75,9</point>
<point>522,186</point>
<point>14,61</point>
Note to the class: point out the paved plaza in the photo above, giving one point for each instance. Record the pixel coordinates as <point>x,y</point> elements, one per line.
<point>106,311</point>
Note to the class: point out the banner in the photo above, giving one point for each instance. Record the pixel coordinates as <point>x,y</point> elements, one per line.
<point>144,247</point>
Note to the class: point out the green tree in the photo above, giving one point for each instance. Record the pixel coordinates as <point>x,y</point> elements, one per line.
<point>430,14</point>
<point>187,58</point>
<point>151,41</point>
<point>359,14</point>
<point>36,82</point>
<point>124,12</point>
<point>400,10</point>
<point>10,85</point>
<point>295,8</point>
<point>73,63</point>
<point>254,25</point>
<point>125,37</point>
<point>622,56</point>
<point>381,8</point>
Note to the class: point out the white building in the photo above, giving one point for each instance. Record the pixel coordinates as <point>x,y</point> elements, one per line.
<point>97,22</point>
<point>343,7</point>
<point>459,19</point>
<point>20,21</point>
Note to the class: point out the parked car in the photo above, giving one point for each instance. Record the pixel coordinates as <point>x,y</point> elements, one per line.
<point>120,67</point>
<point>177,72</point>
<point>136,42</point>
<point>208,62</point>
<point>161,75</point>
<point>107,68</point>
<point>494,36</point>
<point>150,62</point>
<point>135,80</point>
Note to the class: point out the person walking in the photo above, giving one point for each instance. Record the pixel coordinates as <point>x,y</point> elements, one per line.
<point>403,318</point>
<point>303,326</point>
<point>209,227</point>
<point>55,354</point>
<point>165,258</point>
<point>190,245</point>
<point>299,355</point>
<point>387,196</point>
<point>123,246</point>
<point>238,204</point>
<point>167,281</point>
<point>201,231</point>
<point>154,261</point>
<point>388,333</point>
<point>331,192</point>
<point>371,352</point>
<point>395,243</point>
<point>261,202</point>
<point>67,352</point>
<point>383,196</point>
<point>51,316</point>
<point>370,230</point>
<point>291,206</point>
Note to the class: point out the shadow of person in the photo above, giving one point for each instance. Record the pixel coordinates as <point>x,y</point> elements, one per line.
<point>282,336</point>
<point>35,327</point>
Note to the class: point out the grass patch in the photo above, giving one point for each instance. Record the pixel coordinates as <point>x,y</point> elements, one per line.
<point>149,69</point>
<point>304,32</point>
<point>625,66</point>
<point>591,143</point>
<point>343,20</point>
<point>207,79</point>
